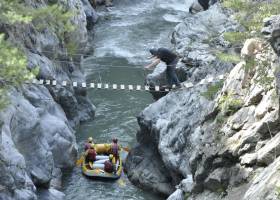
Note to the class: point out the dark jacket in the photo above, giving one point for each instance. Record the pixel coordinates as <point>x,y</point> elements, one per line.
<point>204,4</point>
<point>166,55</point>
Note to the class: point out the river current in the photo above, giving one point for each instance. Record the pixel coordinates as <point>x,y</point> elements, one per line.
<point>123,36</point>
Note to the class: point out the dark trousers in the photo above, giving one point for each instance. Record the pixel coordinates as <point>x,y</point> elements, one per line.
<point>171,75</point>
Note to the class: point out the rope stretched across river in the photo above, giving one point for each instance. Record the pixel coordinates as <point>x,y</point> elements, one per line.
<point>129,87</point>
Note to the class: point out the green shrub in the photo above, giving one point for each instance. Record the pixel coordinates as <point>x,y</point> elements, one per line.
<point>13,71</point>
<point>220,118</point>
<point>228,57</point>
<point>277,190</point>
<point>250,15</point>
<point>235,37</point>
<point>228,104</point>
<point>236,5</point>
<point>212,90</point>
<point>187,195</point>
<point>13,61</point>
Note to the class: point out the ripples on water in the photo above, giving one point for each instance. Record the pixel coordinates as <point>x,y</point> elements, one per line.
<point>122,39</point>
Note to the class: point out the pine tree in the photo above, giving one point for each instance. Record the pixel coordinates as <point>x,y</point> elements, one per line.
<point>13,62</point>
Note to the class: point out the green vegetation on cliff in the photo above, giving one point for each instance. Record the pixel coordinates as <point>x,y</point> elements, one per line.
<point>229,104</point>
<point>13,61</point>
<point>249,14</point>
<point>212,90</point>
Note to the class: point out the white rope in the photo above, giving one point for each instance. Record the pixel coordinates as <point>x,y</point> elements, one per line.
<point>128,87</point>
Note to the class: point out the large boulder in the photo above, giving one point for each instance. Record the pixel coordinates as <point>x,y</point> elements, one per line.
<point>227,145</point>
<point>265,185</point>
<point>146,170</point>
<point>37,136</point>
<point>271,31</point>
<point>172,124</point>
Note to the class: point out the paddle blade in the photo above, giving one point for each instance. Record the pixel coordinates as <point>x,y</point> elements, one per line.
<point>121,183</point>
<point>91,165</point>
<point>80,161</point>
<point>126,149</point>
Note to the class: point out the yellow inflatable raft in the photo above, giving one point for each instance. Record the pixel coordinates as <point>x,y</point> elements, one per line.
<point>93,170</point>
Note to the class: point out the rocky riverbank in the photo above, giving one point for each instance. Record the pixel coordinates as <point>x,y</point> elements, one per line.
<point>225,146</point>
<point>37,136</point>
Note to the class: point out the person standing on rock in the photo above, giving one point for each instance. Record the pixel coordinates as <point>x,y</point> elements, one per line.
<point>200,5</point>
<point>90,154</point>
<point>170,59</point>
<point>88,143</point>
<point>94,3</point>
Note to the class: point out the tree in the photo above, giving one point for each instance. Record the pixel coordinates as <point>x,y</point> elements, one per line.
<point>13,62</point>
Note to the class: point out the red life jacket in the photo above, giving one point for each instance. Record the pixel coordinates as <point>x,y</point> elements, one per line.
<point>91,155</point>
<point>108,167</point>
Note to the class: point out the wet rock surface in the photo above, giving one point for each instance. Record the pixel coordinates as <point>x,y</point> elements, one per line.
<point>224,148</point>
<point>172,123</point>
<point>139,173</point>
<point>37,136</point>
<point>197,39</point>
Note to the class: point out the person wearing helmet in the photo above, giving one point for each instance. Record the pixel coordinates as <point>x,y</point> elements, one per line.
<point>170,59</point>
<point>88,143</point>
<point>115,149</point>
<point>90,154</point>
<point>108,165</point>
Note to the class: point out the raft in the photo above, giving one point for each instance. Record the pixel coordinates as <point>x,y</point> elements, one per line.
<point>89,169</point>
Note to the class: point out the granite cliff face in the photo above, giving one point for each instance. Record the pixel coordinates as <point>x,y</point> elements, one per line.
<point>223,147</point>
<point>37,136</point>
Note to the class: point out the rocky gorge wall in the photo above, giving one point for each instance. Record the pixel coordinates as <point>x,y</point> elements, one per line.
<point>227,147</point>
<point>37,136</point>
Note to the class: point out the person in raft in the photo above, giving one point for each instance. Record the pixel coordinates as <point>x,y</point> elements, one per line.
<point>108,165</point>
<point>90,154</point>
<point>170,59</point>
<point>115,149</point>
<point>88,143</point>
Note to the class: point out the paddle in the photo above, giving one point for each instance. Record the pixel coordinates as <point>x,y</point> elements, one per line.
<point>126,149</point>
<point>91,165</point>
<point>121,182</point>
<point>80,161</point>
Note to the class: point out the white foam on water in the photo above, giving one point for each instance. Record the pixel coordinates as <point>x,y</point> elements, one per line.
<point>125,24</point>
<point>177,5</point>
<point>127,42</point>
<point>172,18</point>
<point>128,31</point>
<point>113,51</point>
<point>132,10</point>
<point>188,3</point>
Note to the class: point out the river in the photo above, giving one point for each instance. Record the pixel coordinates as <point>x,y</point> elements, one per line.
<point>123,37</point>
